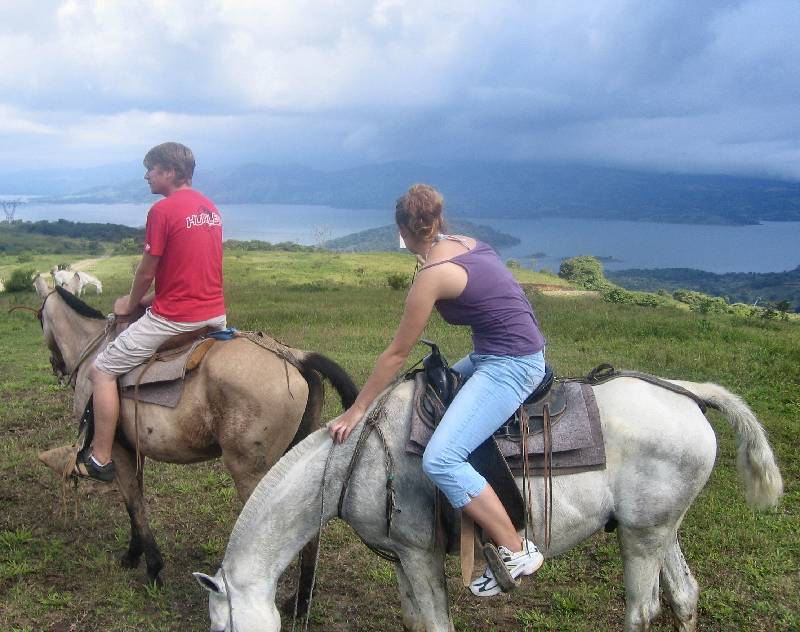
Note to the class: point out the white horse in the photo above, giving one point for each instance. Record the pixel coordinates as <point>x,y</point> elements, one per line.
<point>660,452</point>
<point>88,279</point>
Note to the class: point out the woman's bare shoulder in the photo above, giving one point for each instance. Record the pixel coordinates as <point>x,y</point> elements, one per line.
<point>449,248</point>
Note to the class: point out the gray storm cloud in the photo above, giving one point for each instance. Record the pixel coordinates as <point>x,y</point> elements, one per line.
<point>701,86</point>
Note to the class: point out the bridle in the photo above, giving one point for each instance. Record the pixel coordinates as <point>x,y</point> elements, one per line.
<point>229,599</point>
<point>87,351</point>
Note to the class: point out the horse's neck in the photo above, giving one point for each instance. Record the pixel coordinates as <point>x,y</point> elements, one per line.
<point>73,332</point>
<point>285,511</point>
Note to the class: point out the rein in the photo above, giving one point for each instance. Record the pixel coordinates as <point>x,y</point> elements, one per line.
<point>316,555</point>
<point>376,415</point>
<point>372,422</point>
<point>14,308</point>
<point>88,350</point>
<point>228,598</point>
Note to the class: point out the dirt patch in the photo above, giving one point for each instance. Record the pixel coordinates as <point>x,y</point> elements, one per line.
<point>85,265</point>
<point>570,292</point>
<point>557,290</point>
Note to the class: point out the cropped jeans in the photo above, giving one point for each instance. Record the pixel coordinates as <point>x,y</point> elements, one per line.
<point>495,387</point>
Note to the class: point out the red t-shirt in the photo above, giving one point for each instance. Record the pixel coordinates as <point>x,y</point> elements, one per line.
<point>185,230</point>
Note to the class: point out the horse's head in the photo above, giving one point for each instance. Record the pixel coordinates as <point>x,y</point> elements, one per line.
<point>56,358</point>
<point>235,610</point>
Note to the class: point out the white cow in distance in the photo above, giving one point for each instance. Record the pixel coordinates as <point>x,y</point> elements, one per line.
<point>64,278</point>
<point>88,279</point>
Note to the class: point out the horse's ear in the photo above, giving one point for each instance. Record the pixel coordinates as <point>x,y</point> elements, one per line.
<point>41,286</point>
<point>211,584</point>
<point>74,284</point>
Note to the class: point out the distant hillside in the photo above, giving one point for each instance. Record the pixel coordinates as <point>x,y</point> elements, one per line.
<point>385,239</point>
<point>525,189</point>
<point>56,182</point>
<point>62,236</point>
<point>736,287</point>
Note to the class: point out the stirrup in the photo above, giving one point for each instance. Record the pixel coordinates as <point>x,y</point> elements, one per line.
<point>85,467</point>
<point>498,568</point>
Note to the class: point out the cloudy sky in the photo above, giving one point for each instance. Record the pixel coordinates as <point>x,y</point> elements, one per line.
<point>694,86</point>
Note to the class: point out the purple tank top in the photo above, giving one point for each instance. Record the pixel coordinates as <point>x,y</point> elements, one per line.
<point>493,304</point>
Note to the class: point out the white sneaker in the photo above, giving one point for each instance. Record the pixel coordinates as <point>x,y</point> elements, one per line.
<point>525,562</point>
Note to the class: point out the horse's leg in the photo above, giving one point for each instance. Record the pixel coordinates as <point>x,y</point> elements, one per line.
<point>246,474</point>
<point>131,486</point>
<point>412,617</point>
<point>680,588</point>
<point>308,555</point>
<point>308,559</point>
<point>424,571</point>
<point>643,554</point>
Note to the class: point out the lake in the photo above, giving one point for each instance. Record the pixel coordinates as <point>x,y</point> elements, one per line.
<point>768,247</point>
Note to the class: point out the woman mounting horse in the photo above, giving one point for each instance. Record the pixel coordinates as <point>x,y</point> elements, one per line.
<point>660,451</point>
<point>469,285</point>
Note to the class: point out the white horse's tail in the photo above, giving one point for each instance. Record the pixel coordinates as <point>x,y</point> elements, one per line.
<point>755,460</point>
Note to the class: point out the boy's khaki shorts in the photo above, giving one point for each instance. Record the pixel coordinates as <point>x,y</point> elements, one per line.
<point>137,343</point>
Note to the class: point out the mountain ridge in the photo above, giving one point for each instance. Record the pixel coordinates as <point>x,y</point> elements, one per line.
<point>486,190</point>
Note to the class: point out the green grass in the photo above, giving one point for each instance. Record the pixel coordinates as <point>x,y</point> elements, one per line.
<point>56,572</point>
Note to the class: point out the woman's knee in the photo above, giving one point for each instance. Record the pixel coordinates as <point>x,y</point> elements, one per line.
<point>435,464</point>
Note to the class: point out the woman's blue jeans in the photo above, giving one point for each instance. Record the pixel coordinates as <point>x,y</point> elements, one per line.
<point>495,387</point>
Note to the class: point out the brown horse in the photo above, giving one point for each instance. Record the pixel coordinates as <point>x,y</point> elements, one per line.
<point>243,402</point>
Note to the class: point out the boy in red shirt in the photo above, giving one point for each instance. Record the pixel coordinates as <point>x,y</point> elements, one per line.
<point>183,253</point>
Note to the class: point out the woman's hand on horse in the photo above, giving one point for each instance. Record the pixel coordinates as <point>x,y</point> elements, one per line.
<point>341,428</point>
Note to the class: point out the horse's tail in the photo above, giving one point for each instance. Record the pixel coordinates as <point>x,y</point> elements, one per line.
<point>755,460</point>
<point>312,366</point>
<point>312,415</point>
<point>333,372</point>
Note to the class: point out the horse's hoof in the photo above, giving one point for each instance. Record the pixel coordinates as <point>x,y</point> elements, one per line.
<point>129,561</point>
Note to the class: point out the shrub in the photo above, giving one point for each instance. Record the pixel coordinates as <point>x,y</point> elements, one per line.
<point>398,280</point>
<point>127,246</point>
<point>701,303</point>
<point>621,295</point>
<point>769,312</point>
<point>646,300</point>
<point>783,308</point>
<point>24,257</point>
<point>585,271</point>
<point>742,309</point>
<point>709,305</point>
<point>512,263</point>
<point>20,280</point>
<point>617,295</point>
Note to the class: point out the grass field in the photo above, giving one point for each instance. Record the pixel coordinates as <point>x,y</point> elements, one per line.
<point>58,574</point>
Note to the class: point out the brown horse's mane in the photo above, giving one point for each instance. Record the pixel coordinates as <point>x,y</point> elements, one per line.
<point>78,305</point>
